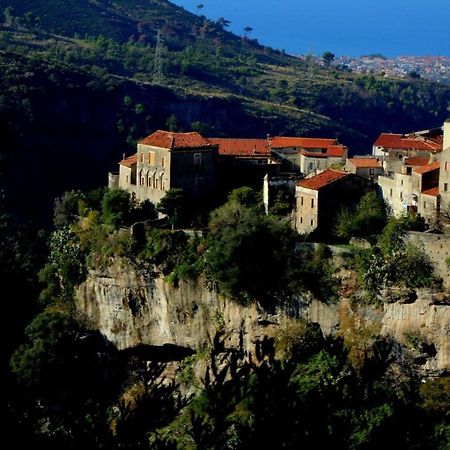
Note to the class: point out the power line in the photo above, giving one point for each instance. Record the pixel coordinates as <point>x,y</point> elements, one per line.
<point>158,75</point>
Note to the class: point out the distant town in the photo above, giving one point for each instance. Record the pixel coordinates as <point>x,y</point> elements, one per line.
<point>435,68</point>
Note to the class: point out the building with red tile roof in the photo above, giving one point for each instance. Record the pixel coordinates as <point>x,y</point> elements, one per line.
<point>395,148</point>
<point>241,147</point>
<point>301,143</point>
<point>434,192</point>
<point>414,189</point>
<point>322,179</point>
<point>427,167</point>
<point>415,161</point>
<point>308,155</point>
<point>367,167</point>
<point>166,160</point>
<point>319,198</point>
<point>171,141</point>
<point>130,161</point>
<point>388,141</point>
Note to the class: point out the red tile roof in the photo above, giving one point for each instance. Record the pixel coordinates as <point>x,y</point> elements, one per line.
<point>336,150</point>
<point>131,160</point>
<point>427,168</point>
<point>323,179</point>
<point>408,142</point>
<point>284,142</point>
<point>433,191</point>
<point>369,163</point>
<point>242,147</point>
<point>172,140</point>
<point>417,161</point>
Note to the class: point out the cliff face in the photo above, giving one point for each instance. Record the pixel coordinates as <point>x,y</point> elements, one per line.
<point>132,307</point>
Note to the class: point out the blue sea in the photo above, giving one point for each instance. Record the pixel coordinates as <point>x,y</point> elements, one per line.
<point>344,27</point>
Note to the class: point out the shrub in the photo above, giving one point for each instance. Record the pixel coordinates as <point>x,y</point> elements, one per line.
<point>250,255</point>
<point>116,207</point>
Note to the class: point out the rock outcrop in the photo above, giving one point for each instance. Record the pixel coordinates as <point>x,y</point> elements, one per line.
<point>133,306</point>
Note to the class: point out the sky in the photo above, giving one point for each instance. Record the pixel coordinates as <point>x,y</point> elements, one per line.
<point>344,27</point>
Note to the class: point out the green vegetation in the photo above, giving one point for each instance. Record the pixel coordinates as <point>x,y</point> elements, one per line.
<point>365,221</point>
<point>314,398</point>
<point>394,261</point>
<point>299,389</point>
<point>76,92</point>
<point>249,254</point>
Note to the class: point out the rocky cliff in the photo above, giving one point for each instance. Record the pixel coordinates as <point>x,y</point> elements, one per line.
<point>133,306</point>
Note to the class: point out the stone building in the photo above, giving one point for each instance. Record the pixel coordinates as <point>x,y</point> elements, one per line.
<point>413,189</point>
<point>166,160</point>
<point>393,149</point>
<point>309,155</point>
<point>319,199</point>
<point>243,161</point>
<point>368,167</point>
<point>444,174</point>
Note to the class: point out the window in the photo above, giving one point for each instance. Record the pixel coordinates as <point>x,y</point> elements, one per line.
<point>390,192</point>
<point>301,200</point>
<point>312,222</point>
<point>163,161</point>
<point>142,181</point>
<point>163,185</point>
<point>312,203</point>
<point>371,171</point>
<point>446,165</point>
<point>445,187</point>
<point>301,219</point>
<point>127,179</point>
<point>197,160</point>
<point>198,183</point>
<point>157,183</point>
<point>401,195</point>
<point>151,158</point>
<point>424,205</point>
<point>401,182</point>
<point>142,157</point>
<point>408,170</point>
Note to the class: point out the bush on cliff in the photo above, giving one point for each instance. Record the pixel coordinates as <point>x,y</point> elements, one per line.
<point>249,254</point>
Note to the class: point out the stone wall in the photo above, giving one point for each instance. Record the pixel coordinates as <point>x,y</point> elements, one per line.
<point>437,248</point>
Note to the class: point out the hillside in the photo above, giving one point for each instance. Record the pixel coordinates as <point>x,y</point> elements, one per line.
<point>82,73</point>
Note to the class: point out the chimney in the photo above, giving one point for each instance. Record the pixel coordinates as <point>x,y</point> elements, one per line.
<point>123,156</point>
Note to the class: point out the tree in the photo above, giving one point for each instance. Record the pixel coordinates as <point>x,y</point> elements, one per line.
<point>116,207</point>
<point>246,196</point>
<point>222,22</point>
<point>249,254</point>
<point>247,31</point>
<point>172,123</point>
<point>328,57</point>
<point>173,205</point>
<point>414,75</point>
<point>68,208</point>
<point>366,220</point>
<point>70,373</point>
<point>200,6</point>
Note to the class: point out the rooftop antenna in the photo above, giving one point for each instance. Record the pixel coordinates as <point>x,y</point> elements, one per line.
<point>158,76</point>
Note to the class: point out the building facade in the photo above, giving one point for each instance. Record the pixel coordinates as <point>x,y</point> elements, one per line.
<point>320,198</point>
<point>166,160</point>
<point>309,155</point>
<point>369,168</point>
